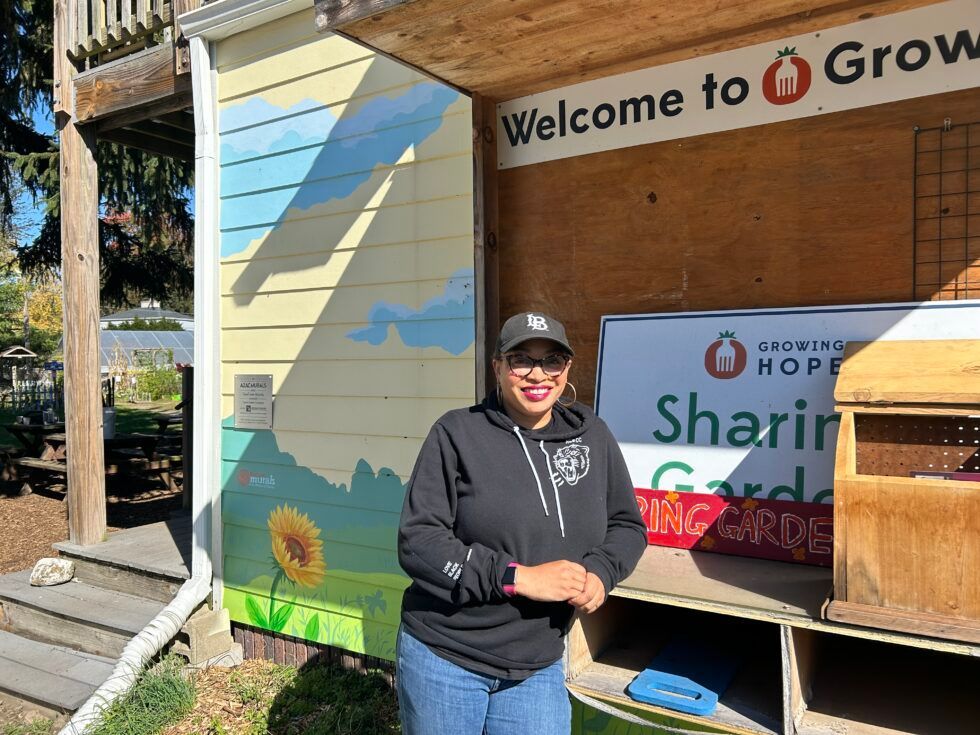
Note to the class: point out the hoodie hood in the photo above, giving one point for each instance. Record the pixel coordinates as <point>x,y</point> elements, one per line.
<point>568,422</point>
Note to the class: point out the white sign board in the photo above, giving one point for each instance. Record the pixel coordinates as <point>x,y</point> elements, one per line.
<point>742,402</point>
<point>253,401</point>
<point>883,59</point>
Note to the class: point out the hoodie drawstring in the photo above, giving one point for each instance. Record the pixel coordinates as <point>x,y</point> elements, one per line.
<point>554,485</point>
<point>537,479</point>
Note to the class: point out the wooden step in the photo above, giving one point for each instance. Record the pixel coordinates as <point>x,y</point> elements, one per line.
<point>74,614</point>
<point>159,549</point>
<point>120,579</point>
<point>54,677</point>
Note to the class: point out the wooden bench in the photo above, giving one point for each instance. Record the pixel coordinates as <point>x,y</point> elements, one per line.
<point>118,466</point>
<point>32,465</point>
<point>131,463</point>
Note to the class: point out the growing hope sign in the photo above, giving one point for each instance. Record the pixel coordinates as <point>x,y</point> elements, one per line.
<point>883,59</point>
<point>741,403</point>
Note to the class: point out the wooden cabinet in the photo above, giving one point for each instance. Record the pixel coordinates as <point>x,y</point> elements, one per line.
<point>907,538</point>
<point>797,673</point>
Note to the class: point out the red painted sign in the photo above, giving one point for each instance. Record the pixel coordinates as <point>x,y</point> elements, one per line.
<point>782,530</point>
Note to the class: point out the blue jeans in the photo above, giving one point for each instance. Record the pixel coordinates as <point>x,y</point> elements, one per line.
<point>437,697</point>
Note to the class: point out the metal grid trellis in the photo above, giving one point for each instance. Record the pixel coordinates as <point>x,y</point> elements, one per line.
<point>946,245</point>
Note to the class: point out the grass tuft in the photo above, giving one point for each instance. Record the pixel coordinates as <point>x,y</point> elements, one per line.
<point>37,727</point>
<point>160,697</point>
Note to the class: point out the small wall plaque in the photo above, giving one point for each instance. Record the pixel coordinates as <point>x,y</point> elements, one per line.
<point>253,401</point>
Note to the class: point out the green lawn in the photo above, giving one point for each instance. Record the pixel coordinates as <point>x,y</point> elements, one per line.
<point>130,418</point>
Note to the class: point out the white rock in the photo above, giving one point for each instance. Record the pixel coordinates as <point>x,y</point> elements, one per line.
<point>49,572</point>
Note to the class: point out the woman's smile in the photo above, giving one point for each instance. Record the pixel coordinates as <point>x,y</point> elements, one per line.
<point>536,392</point>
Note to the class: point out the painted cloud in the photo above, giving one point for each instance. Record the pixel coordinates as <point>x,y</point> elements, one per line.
<point>274,159</point>
<point>444,321</point>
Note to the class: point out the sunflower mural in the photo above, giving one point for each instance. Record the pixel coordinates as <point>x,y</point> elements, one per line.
<point>297,555</point>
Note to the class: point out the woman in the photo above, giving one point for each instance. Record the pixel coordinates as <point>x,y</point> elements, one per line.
<point>519,511</point>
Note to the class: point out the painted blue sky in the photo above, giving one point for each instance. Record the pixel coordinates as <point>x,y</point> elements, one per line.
<point>276,159</point>
<point>445,321</point>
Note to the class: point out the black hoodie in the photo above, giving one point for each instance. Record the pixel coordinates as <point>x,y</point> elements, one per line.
<point>485,493</point>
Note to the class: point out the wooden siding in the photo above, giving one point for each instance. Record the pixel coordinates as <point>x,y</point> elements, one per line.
<point>346,274</point>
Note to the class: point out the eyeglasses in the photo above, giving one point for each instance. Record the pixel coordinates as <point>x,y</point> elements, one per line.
<point>521,365</point>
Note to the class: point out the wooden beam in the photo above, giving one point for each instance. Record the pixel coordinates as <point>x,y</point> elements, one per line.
<point>333,14</point>
<point>129,84</point>
<point>165,133</point>
<point>182,47</point>
<point>485,239</point>
<point>181,120</point>
<point>139,114</point>
<point>143,141</point>
<point>80,280</point>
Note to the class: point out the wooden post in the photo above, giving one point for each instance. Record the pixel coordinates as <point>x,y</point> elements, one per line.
<point>80,278</point>
<point>484,112</point>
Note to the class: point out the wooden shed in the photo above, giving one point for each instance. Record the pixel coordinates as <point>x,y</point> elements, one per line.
<point>582,159</point>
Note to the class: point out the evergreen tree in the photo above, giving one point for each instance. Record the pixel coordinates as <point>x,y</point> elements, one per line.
<point>146,231</point>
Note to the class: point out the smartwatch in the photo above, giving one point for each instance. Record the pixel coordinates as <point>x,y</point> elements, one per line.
<point>510,579</point>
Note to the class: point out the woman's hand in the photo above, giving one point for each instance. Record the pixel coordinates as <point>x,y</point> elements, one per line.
<point>556,581</point>
<point>592,596</point>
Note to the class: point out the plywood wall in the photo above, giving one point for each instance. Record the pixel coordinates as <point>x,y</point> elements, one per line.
<point>346,274</point>
<point>810,212</point>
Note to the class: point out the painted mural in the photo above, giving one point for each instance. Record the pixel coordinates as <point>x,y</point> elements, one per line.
<point>347,274</point>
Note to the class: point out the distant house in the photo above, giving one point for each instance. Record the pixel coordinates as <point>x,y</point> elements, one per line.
<point>149,310</point>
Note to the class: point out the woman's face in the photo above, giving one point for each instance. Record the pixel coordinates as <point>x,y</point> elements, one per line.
<point>528,400</point>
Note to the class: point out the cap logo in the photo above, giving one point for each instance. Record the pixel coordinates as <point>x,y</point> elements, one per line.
<point>537,323</point>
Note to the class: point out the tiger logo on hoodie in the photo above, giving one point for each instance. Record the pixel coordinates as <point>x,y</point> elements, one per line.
<point>572,461</point>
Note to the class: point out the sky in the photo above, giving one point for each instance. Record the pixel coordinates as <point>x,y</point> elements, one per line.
<point>32,213</point>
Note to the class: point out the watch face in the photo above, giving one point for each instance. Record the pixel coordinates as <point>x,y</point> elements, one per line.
<point>510,575</point>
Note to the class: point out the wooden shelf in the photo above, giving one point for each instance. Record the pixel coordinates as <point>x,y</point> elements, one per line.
<point>755,589</point>
<point>607,681</point>
<point>612,646</point>
<point>866,688</point>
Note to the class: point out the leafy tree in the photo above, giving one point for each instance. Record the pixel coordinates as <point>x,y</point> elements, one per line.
<point>146,229</point>
<point>30,308</point>
<point>138,324</point>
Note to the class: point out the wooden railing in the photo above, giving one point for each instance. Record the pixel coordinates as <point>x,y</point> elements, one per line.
<point>110,28</point>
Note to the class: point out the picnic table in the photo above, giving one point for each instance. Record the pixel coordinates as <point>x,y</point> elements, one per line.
<point>125,454</point>
<point>32,436</point>
<point>166,419</point>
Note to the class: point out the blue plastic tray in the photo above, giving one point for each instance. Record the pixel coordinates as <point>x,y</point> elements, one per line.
<point>686,676</point>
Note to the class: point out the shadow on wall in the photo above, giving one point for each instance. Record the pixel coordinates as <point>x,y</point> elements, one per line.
<point>332,575</point>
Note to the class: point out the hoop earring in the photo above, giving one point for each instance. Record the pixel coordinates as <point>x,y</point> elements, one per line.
<point>574,396</point>
<point>500,397</point>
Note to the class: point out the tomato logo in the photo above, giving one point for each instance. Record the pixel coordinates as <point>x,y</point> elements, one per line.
<point>726,357</point>
<point>787,79</point>
<point>244,477</point>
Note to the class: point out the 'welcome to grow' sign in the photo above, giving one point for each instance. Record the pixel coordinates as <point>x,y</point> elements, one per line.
<point>894,57</point>
<point>741,403</point>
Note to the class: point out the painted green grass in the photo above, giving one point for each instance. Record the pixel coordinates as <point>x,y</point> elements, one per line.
<point>161,696</point>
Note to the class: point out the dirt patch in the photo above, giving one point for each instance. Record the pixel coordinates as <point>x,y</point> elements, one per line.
<point>31,523</point>
<point>263,698</point>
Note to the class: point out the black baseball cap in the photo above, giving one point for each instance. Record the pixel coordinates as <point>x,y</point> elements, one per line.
<point>531,325</point>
